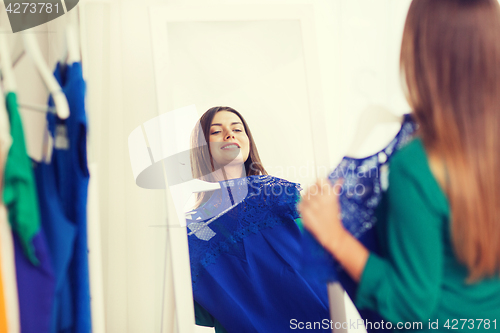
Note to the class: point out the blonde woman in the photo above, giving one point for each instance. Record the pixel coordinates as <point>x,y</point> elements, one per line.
<point>439,220</point>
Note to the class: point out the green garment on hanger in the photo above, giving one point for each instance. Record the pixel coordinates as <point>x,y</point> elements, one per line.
<point>19,193</point>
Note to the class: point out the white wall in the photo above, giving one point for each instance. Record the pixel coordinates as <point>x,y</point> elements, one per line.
<point>240,64</point>
<point>120,62</point>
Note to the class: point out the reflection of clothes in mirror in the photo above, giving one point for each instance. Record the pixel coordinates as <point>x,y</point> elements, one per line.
<point>365,179</point>
<point>244,248</point>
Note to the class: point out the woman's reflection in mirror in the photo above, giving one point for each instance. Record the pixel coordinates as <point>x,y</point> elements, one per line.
<point>244,239</point>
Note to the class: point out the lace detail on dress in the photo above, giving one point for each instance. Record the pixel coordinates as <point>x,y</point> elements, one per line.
<point>362,188</point>
<point>269,201</point>
<point>360,196</point>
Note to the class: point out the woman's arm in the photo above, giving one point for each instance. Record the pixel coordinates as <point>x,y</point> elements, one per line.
<point>406,285</point>
<point>320,213</point>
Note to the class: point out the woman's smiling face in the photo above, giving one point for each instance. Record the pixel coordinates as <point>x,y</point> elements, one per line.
<point>229,143</point>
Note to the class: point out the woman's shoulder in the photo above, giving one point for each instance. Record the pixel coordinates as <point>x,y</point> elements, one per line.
<point>411,166</point>
<point>411,156</point>
<point>411,161</point>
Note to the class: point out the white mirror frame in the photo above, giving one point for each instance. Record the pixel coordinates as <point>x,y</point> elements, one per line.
<point>178,277</point>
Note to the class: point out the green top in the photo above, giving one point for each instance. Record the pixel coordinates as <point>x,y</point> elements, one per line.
<point>203,318</point>
<point>19,193</point>
<point>419,279</point>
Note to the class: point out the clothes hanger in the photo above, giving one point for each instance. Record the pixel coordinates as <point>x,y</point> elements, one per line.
<point>47,143</point>
<point>9,84</point>
<point>61,103</point>
<point>8,78</point>
<point>37,107</point>
<point>4,116</point>
<point>71,51</point>
<point>371,117</point>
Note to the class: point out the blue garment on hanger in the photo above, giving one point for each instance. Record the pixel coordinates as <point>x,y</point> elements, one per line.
<point>35,280</point>
<point>360,196</point>
<point>69,159</point>
<point>35,286</point>
<point>60,234</point>
<point>244,248</point>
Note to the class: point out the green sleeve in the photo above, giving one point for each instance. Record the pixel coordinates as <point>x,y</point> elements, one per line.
<point>298,221</point>
<point>19,194</point>
<point>405,286</point>
<point>204,318</point>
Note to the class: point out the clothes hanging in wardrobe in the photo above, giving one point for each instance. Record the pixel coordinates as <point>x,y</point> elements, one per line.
<point>364,182</point>
<point>245,256</point>
<point>10,311</point>
<point>61,234</point>
<point>69,159</point>
<point>34,273</point>
<point>19,192</point>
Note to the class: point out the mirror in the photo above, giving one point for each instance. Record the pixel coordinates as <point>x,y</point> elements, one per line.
<point>262,64</point>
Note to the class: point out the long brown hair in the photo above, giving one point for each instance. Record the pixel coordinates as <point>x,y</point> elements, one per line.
<point>450,63</point>
<point>202,164</point>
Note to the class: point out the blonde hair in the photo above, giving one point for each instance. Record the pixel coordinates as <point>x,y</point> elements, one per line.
<point>450,62</point>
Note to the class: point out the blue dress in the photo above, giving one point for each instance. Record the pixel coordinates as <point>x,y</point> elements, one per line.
<point>60,233</point>
<point>69,159</point>
<point>364,183</point>
<point>244,248</point>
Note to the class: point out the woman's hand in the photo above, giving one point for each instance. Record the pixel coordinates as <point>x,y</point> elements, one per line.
<point>320,213</point>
